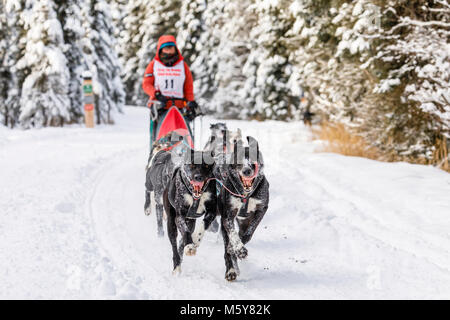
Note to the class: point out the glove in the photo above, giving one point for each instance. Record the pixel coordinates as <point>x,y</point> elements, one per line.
<point>161,99</point>
<point>194,109</point>
<point>191,110</point>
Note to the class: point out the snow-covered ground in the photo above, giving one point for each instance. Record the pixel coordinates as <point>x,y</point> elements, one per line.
<point>72,223</point>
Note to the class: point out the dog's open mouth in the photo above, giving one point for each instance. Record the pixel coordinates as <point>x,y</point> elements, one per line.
<point>247,183</point>
<point>197,189</point>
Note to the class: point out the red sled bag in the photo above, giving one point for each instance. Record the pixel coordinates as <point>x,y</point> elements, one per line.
<point>171,122</point>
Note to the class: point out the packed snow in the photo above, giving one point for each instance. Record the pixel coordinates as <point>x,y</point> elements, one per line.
<point>73,223</point>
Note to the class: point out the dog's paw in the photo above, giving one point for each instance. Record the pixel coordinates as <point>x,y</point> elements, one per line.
<point>241,253</point>
<point>231,275</point>
<point>148,211</point>
<point>190,250</point>
<point>176,271</point>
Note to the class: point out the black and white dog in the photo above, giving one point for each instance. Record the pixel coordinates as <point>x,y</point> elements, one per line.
<point>222,140</point>
<point>159,170</point>
<point>221,143</point>
<point>217,136</point>
<point>244,197</point>
<point>190,196</point>
<point>158,173</point>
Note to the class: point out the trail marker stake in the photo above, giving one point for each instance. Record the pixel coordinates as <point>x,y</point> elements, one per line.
<point>88,100</point>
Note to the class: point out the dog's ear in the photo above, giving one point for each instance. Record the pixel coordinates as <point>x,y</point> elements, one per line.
<point>253,148</point>
<point>239,133</point>
<point>252,142</point>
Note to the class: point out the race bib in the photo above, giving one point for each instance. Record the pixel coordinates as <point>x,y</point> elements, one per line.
<point>169,80</point>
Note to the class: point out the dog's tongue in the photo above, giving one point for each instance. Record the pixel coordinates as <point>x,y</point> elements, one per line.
<point>247,182</point>
<point>197,187</point>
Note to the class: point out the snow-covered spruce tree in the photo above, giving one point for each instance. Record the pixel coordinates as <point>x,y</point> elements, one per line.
<point>333,42</point>
<point>12,76</point>
<point>329,48</point>
<point>118,14</point>
<point>44,100</point>
<point>413,61</point>
<point>5,75</point>
<point>190,27</point>
<point>348,86</point>
<point>102,61</point>
<point>69,14</point>
<point>311,36</point>
<point>131,41</point>
<point>269,65</point>
<point>204,66</point>
<point>232,53</point>
<point>366,63</point>
<point>161,17</point>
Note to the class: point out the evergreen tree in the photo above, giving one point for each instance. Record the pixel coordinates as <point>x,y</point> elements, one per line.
<point>69,14</point>
<point>102,60</point>
<point>118,14</point>
<point>44,99</point>
<point>413,63</point>
<point>5,75</point>
<point>269,66</point>
<point>12,76</point>
<point>205,65</point>
<point>131,41</point>
<point>190,28</point>
<point>380,67</point>
<point>330,45</point>
<point>232,53</point>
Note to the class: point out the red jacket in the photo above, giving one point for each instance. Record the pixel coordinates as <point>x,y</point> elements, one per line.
<point>149,78</point>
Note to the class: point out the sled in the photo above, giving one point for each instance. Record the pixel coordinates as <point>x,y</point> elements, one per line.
<point>173,130</point>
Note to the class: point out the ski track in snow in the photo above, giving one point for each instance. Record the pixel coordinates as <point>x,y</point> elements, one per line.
<point>337,227</point>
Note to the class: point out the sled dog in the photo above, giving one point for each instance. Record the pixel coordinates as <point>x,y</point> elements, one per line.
<point>189,199</point>
<point>244,198</point>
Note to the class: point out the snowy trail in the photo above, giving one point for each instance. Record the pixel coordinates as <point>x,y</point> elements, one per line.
<point>73,226</point>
